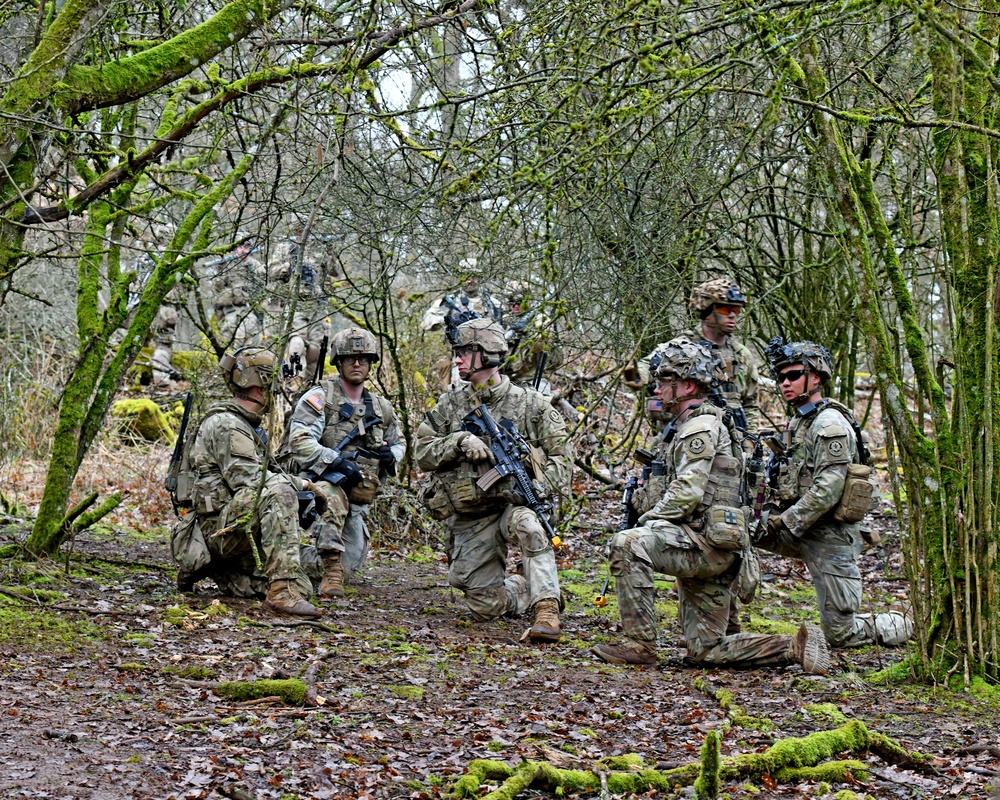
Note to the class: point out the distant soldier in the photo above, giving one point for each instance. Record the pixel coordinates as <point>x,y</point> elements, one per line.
<point>482,523</point>
<point>238,318</point>
<point>252,531</point>
<point>692,526</point>
<point>811,517</point>
<point>348,440</point>
<point>718,304</point>
<point>530,332</point>
<point>164,331</point>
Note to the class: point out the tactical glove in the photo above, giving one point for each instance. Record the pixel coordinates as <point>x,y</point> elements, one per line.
<point>775,524</point>
<point>516,498</point>
<point>475,449</point>
<point>344,473</point>
<point>386,460</point>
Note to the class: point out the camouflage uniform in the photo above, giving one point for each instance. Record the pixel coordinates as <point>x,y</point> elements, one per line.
<point>238,320</point>
<point>309,323</point>
<point>322,418</point>
<point>671,539</point>
<point>164,329</point>
<point>480,525</point>
<point>227,458</point>
<point>821,445</point>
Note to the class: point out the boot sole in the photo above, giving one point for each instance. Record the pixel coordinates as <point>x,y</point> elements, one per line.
<point>282,612</point>
<point>544,636</point>
<point>604,656</point>
<point>816,654</point>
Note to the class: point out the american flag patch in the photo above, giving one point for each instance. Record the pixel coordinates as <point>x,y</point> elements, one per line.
<point>315,400</point>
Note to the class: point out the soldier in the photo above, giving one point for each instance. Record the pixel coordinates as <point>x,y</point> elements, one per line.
<point>822,440</point>
<point>482,523</point>
<point>348,472</point>
<point>252,532</point>
<point>529,332</point>
<point>164,330</point>
<point>719,304</point>
<point>238,320</point>
<point>694,528</point>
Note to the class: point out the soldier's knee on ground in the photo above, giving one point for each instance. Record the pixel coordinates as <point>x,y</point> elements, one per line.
<point>628,552</point>
<point>524,527</point>
<point>279,490</point>
<point>487,604</point>
<point>337,504</point>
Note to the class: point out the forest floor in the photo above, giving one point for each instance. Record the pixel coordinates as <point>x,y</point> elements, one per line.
<point>107,676</point>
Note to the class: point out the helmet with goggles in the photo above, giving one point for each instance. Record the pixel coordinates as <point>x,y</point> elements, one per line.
<point>721,291</point>
<point>814,357</point>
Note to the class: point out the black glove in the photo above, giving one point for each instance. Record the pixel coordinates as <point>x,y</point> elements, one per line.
<point>386,460</point>
<point>345,473</point>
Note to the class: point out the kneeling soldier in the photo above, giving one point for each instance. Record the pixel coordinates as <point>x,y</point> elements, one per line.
<point>482,522</point>
<point>693,528</point>
<point>347,440</point>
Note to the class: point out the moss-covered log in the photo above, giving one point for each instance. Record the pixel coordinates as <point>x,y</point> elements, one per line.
<point>788,761</point>
<point>292,691</point>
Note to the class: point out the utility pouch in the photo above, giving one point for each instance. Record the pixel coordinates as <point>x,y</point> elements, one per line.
<point>788,488</point>
<point>748,577</point>
<point>435,499</point>
<point>856,501</point>
<point>726,528</point>
<point>364,492</point>
<point>187,544</point>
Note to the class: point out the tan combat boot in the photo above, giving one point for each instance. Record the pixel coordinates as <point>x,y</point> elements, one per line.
<point>284,598</point>
<point>332,584</point>
<point>546,627</point>
<point>809,648</point>
<point>631,652</point>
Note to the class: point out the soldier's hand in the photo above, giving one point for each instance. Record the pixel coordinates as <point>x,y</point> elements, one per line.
<point>631,377</point>
<point>386,459</point>
<point>775,524</point>
<point>309,486</point>
<point>475,449</point>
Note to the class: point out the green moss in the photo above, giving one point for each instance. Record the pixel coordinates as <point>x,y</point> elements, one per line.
<point>826,711</point>
<point>35,629</point>
<point>292,691</point>
<point>407,692</point>
<point>837,771</point>
<point>193,362</point>
<point>495,746</point>
<point>706,786</point>
<point>41,595</point>
<point>129,667</point>
<point>846,794</point>
<point>422,555</point>
<point>142,418</point>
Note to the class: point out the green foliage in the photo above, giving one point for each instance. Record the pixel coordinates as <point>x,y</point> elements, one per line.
<point>27,628</point>
<point>292,691</point>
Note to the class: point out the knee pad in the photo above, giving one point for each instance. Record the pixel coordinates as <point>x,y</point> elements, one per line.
<point>523,526</point>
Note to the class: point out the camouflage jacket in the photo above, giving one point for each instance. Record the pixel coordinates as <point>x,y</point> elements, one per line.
<point>738,374</point>
<point>227,455</point>
<point>810,484</point>
<point>437,439</point>
<point>694,455</point>
<point>324,416</point>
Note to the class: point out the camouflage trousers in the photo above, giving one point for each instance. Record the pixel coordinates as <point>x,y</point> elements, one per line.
<point>704,594</point>
<point>342,528</point>
<point>272,529</point>
<point>477,558</point>
<point>831,553</point>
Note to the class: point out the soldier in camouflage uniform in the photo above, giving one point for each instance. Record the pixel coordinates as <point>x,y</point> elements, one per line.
<point>164,330</point>
<point>253,540</point>
<point>695,530</point>
<point>821,443</point>
<point>482,523</point>
<point>235,314</point>
<point>529,332</point>
<point>350,475</point>
<point>719,304</point>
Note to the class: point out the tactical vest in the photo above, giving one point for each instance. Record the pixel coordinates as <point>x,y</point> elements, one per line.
<point>341,420</point>
<point>794,479</point>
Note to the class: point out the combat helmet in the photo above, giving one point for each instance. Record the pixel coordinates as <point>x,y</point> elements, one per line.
<point>355,342</point>
<point>686,360</point>
<point>248,367</point>
<point>486,336</point>
<point>720,290</point>
<point>515,292</point>
<point>814,357</point>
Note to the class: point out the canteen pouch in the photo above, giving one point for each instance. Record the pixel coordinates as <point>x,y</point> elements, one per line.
<point>726,528</point>
<point>856,501</point>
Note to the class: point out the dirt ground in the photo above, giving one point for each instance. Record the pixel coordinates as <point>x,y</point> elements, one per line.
<point>107,673</point>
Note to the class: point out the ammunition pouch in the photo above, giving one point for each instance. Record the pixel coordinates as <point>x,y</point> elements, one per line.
<point>435,499</point>
<point>463,494</point>
<point>187,544</point>
<point>788,485</point>
<point>856,501</point>
<point>726,528</point>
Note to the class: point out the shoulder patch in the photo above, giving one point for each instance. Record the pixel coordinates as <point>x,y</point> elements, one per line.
<point>241,444</point>
<point>836,447</point>
<point>315,399</point>
<point>697,444</point>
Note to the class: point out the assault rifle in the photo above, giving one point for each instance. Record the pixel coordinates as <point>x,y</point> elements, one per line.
<point>321,361</point>
<point>739,416</point>
<point>508,448</point>
<point>173,470</point>
<point>343,471</point>
<point>460,312</point>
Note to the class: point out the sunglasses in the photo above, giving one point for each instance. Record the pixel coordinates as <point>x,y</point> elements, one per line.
<point>363,360</point>
<point>724,309</point>
<point>790,375</point>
